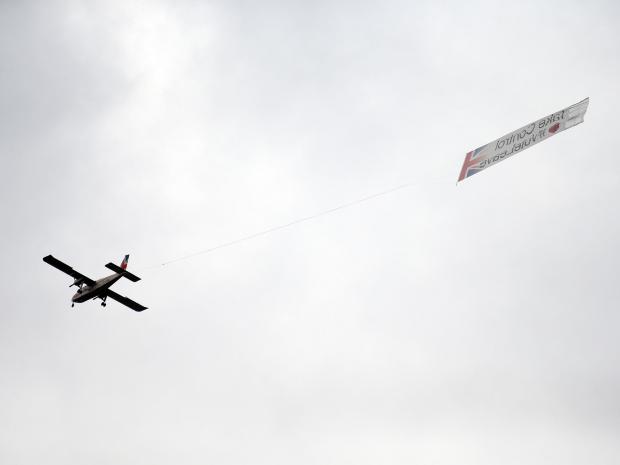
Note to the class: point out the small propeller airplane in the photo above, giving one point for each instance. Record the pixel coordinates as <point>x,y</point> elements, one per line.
<point>99,289</point>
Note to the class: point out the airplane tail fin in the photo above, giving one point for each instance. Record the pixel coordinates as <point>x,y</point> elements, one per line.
<point>122,270</point>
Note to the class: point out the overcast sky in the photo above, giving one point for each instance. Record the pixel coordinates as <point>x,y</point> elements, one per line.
<point>440,324</point>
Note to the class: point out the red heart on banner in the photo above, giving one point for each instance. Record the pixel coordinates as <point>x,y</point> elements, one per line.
<point>554,128</point>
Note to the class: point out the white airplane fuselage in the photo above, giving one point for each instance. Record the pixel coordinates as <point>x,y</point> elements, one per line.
<point>90,292</point>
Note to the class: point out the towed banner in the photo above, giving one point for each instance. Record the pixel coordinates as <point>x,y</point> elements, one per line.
<point>508,145</point>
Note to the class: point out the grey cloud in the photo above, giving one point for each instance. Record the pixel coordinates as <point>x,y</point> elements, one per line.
<point>438,324</point>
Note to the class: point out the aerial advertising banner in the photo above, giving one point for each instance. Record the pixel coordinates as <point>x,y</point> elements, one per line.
<point>516,141</point>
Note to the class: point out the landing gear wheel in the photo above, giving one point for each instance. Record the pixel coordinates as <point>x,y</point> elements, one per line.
<point>103,304</point>
<point>72,305</point>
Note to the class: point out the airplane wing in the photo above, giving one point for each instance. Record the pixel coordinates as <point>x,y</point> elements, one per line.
<point>67,269</point>
<point>125,301</point>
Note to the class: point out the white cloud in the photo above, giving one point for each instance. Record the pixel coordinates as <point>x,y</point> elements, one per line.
<point>474,323</point>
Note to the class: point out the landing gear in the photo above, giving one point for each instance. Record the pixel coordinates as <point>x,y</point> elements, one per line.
<point>103,301</point>
<point>72,304</point>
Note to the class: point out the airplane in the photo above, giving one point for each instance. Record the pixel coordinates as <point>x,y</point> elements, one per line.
<point>99,289</point>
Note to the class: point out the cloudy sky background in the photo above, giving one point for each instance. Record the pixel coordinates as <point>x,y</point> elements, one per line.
<point>475,324</point>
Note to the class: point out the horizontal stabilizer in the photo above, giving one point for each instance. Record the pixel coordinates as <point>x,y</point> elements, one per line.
<point>125,273</point>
